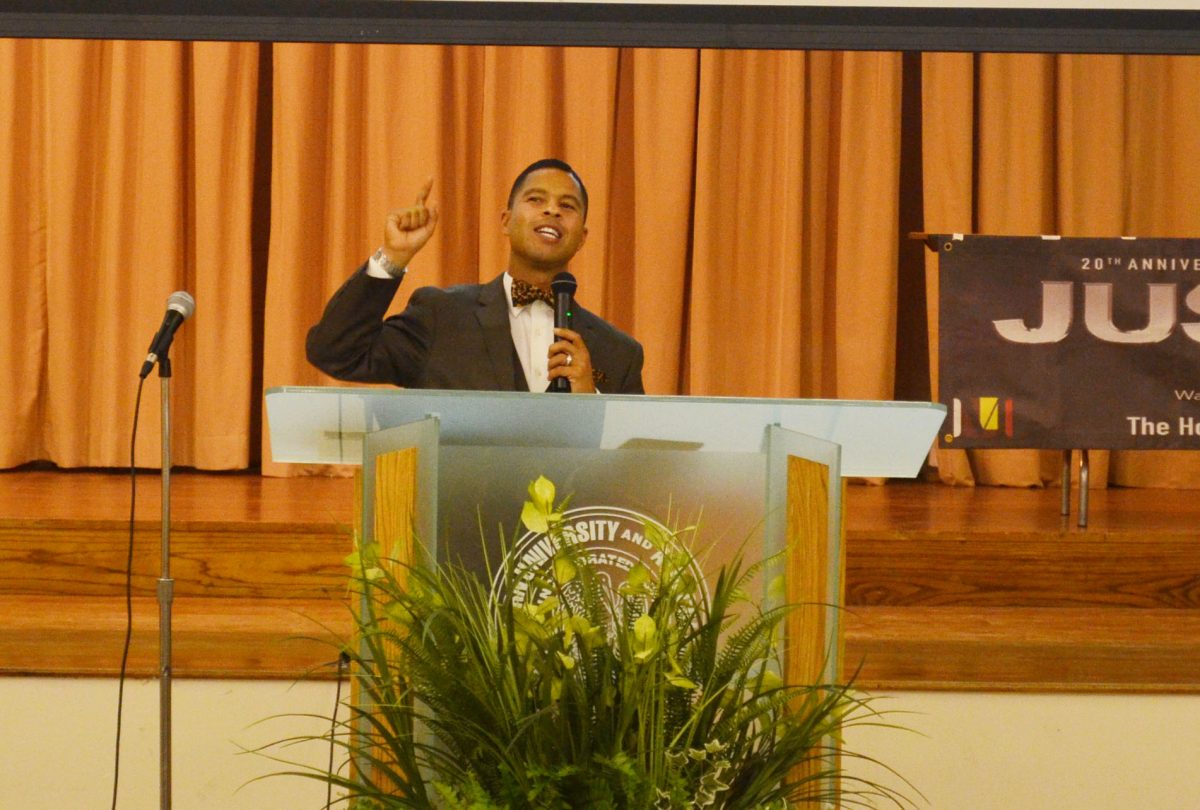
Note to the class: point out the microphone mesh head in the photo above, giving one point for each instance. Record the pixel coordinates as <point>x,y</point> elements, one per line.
<point>564,282</point>
<point>182,302</point>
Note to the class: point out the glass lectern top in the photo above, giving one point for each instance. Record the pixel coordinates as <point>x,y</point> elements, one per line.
<point>325,425</point>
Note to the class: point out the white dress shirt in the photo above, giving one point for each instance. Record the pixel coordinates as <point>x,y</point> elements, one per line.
<point>532,328</point>
<point>532,333</point>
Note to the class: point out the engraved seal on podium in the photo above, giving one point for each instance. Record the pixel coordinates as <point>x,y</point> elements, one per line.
<point>612,540</point>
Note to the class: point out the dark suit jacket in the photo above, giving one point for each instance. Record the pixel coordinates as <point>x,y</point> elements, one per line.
<point>457,338</point>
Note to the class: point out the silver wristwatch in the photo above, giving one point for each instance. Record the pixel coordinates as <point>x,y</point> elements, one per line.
<point>381,258</point>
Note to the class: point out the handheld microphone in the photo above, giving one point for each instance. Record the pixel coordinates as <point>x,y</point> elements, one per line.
<point>180,306</point>
<point>563,287</point>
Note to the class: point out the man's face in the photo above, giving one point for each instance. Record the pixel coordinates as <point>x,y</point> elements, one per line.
<point>545,225</point>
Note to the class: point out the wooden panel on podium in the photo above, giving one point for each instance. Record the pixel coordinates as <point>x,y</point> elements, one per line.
<point>395,507</point>
<point>804,534</point>
<point>808,559</point>
<point>814,642</point>
<point>399,490</point>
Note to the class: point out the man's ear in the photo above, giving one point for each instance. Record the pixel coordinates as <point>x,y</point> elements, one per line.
<point>505,215</point>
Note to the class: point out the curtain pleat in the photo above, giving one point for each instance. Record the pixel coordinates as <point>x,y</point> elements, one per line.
<point>22,252</point>
<point>219,261</point>
<point>113,240</point>
<point>750,200</point>
<point>650,202</point>
<point>948,192</point>
<point>744,218</point>
<point>795,225</point>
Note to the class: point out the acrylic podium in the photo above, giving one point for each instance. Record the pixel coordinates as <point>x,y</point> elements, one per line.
<point>440,466</point>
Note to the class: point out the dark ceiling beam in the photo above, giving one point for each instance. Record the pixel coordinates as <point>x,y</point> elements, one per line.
<point>609,24</point>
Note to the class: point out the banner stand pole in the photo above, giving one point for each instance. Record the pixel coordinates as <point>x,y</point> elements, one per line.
<point>1065,511</point>
<point>1083,489</point>
<point>1084,475</point>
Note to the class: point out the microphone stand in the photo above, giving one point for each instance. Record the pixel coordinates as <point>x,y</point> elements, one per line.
<point>166,594</point>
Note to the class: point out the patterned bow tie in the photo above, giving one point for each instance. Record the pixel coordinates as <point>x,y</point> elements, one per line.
<point>525,293</point>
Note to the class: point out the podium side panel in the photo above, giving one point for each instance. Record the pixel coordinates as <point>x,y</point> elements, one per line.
<point>808,560</point>
<point>804,519</point>
<point>391,519</point>
<point>806,563</point>
<point>397,507</point>
<point>814,581</point>
<point>804,528</point>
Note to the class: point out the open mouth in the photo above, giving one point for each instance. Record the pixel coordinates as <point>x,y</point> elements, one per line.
<point>548,232</point>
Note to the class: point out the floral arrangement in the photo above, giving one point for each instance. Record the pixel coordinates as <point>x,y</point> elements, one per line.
<point>652,695</point>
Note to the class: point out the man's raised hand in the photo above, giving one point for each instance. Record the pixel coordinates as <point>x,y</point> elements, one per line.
<point>408,229</point>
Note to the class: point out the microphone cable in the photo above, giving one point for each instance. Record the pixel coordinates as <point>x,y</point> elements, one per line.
<point>128,594</point>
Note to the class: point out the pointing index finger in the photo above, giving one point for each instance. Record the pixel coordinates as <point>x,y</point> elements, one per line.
<point>425,192</point>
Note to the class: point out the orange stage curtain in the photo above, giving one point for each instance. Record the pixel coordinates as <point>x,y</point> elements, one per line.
<point>745,218</point>
<point>127,175</point>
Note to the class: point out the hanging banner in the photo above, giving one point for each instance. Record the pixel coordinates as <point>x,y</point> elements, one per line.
<point>1058,343</point>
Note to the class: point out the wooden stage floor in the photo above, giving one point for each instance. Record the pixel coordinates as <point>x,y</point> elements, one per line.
<point>946,588</point>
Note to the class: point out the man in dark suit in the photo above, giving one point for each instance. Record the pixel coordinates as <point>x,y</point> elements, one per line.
<point>479,336</point>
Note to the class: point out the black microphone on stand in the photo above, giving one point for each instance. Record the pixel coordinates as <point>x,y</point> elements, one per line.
<point>180,307</point>
<point>563,287</point>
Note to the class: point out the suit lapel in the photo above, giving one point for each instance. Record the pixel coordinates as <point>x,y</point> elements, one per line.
<point>492,315</point>
<point>586,327</point>
<point>593,338</point>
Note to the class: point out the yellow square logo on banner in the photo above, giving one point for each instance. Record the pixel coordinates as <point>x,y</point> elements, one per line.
<point>989,413</point>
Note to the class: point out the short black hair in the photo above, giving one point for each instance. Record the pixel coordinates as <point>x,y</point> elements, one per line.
<point>548,163</point>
